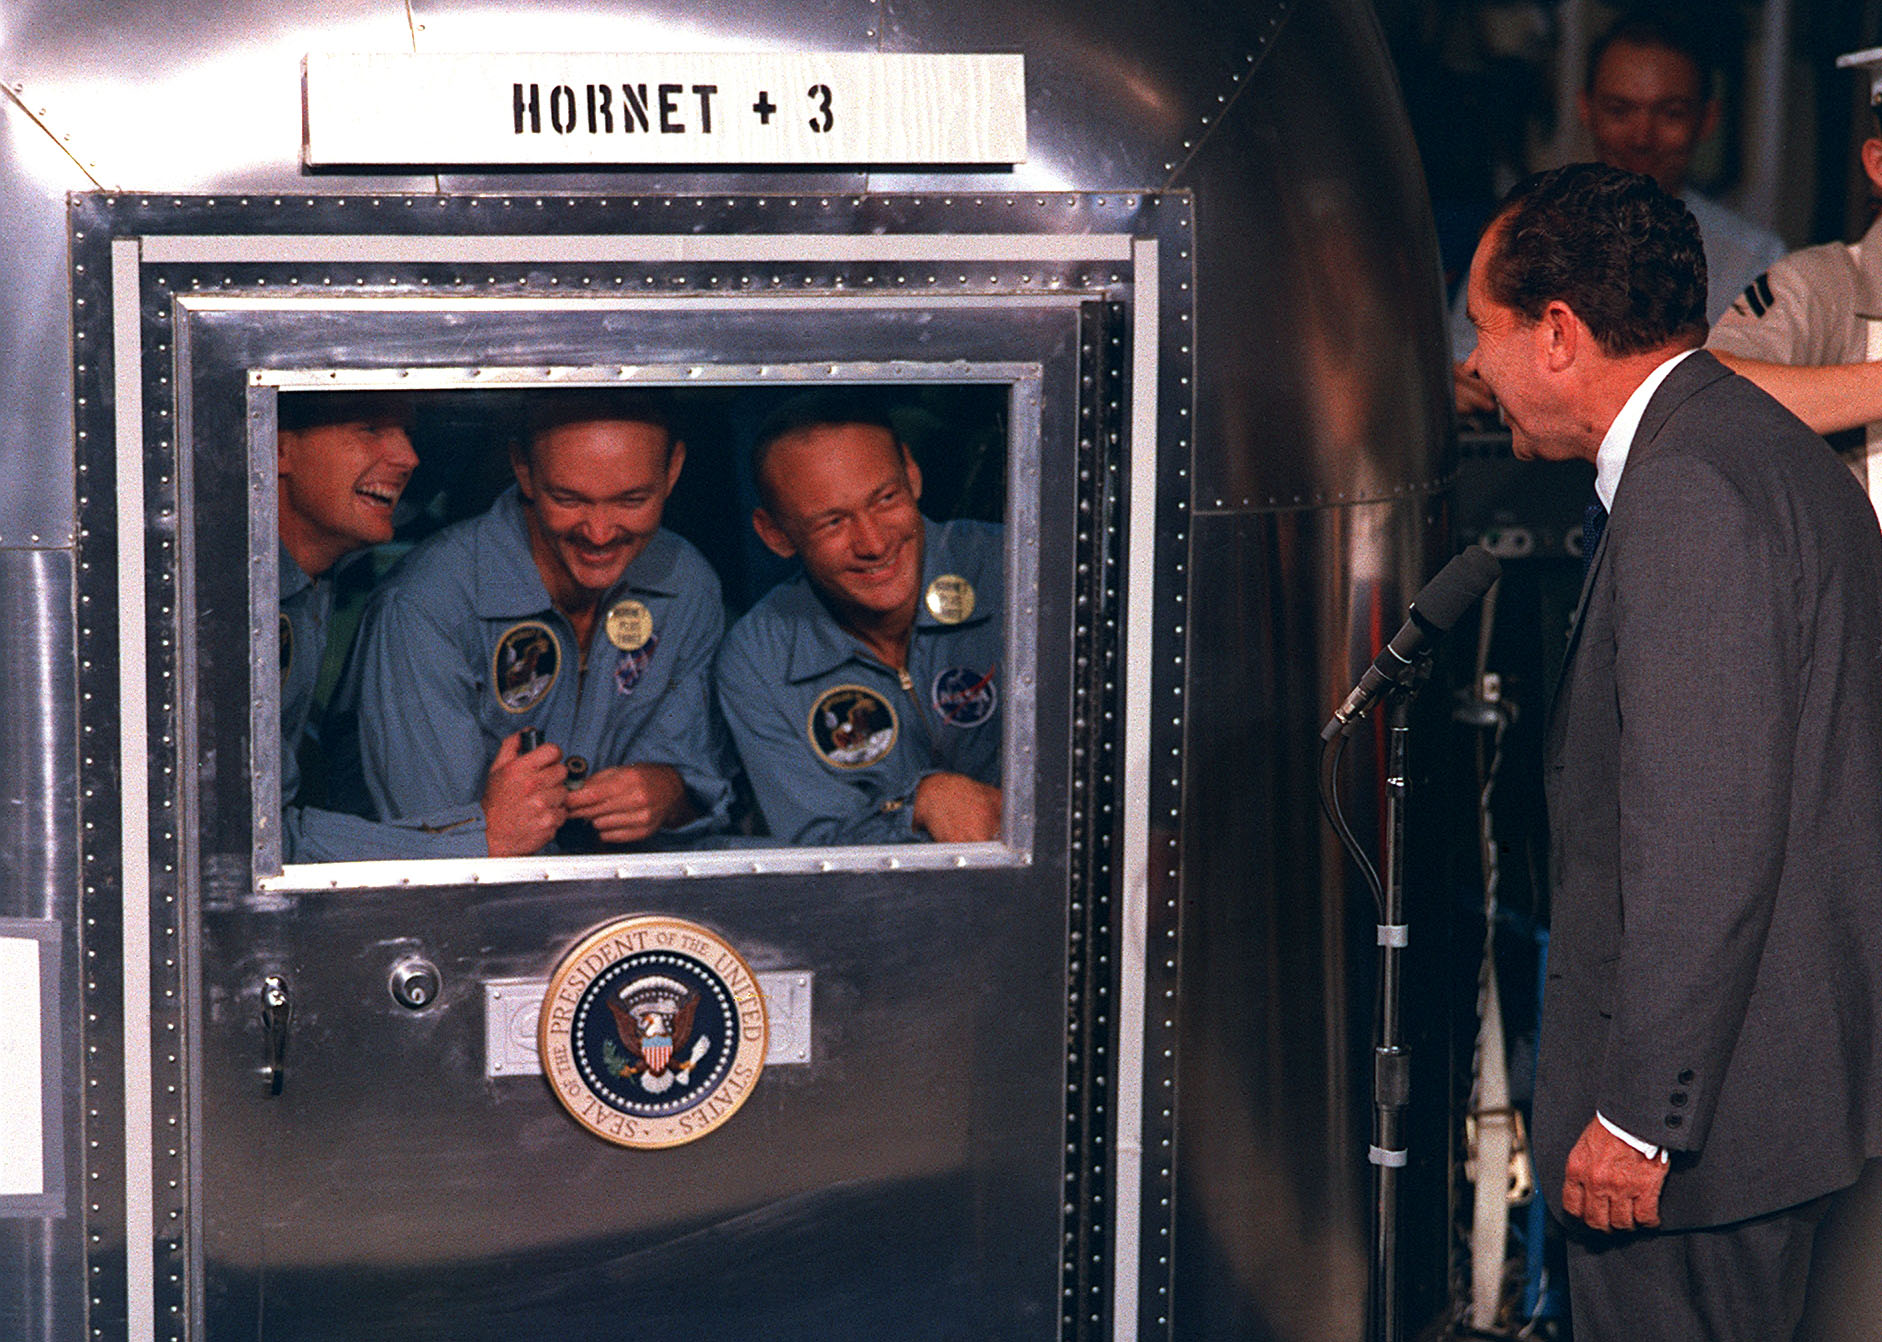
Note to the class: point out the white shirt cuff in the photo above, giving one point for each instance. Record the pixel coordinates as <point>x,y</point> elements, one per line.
<point>1647,1149</point>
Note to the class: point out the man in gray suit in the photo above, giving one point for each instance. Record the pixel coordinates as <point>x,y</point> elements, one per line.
<point>1710,1068</point>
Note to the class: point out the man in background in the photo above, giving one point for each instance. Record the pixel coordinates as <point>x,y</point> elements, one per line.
<point>1647,103</point>
<point>1809,330</point>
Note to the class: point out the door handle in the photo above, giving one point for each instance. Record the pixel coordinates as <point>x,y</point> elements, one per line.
<point>277,1011</point>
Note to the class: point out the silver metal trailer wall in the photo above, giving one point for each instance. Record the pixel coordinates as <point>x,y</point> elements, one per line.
<point>1104,1077</point>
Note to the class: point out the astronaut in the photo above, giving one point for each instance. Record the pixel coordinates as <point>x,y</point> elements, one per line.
<point>864,693</point>
<point>566,609</point>
<point>343,461</point>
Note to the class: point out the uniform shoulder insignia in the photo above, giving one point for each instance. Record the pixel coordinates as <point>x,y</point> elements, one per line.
<point>1757,299</point>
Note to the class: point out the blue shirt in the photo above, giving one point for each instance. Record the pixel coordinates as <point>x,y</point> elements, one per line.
<point>306,614</point>
<point>461,646</point>
<point>834,740</point>
<point>312,835</point>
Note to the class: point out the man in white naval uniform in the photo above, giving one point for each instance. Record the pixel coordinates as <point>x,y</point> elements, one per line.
<point>1809,330</point>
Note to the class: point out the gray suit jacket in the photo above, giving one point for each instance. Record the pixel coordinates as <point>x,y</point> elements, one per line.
<point>1714,777</point>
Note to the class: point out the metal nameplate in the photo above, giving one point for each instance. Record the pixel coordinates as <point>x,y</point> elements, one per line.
<point>512,1008</point>
<point>644,107</point>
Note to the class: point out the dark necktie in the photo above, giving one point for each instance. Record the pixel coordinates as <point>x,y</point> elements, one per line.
<point>1594,521</point>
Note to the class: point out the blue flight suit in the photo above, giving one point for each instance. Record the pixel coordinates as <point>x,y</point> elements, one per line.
<point>460,647</point>
<point>306,616</point>
<point>834,740</point>
<point>311,835</point>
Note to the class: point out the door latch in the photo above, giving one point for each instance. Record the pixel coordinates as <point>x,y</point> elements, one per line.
<point>277,1010</point>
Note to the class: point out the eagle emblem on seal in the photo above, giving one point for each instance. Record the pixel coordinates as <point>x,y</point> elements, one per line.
<point>679,1046</point>
<point>654,1017</point>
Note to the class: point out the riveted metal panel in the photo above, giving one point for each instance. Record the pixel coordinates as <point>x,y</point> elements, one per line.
<point>36,413</point>
<point>965,288</point>
<point>1298,370</point>
<point>43,1266</point>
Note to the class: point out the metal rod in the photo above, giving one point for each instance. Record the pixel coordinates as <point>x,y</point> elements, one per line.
<point>1391,1062</point>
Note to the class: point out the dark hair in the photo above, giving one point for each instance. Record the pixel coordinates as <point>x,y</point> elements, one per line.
<point>563,406</point>
<point>1623,254</point>
<point>296,411</point>
<point>827,406</point>
<point>1658,30</point>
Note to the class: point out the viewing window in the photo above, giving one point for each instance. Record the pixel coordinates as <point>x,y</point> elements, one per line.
<point>428,645</point>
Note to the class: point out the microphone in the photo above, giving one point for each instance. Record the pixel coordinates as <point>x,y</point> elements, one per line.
<point>1459,585</point>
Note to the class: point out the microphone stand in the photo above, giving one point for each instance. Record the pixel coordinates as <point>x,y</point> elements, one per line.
<point>1391,1061</point>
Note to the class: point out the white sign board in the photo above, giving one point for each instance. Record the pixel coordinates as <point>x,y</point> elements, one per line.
<point>22,1095</point>
<point>733,108</point>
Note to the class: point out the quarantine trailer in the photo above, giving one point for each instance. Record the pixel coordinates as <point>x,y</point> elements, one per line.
<point>1152,289</point>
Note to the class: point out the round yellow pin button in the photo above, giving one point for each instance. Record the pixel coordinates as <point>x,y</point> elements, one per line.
<point>950,598</point>
<point>630,625</point>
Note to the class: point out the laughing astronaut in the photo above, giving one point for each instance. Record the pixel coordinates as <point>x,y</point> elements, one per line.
<point>566,608</point>
<point>864,693</point>
<point>343,460</point>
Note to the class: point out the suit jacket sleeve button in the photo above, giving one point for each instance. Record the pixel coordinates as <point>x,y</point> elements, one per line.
<point>1678,1097</point>
<point>1685,1077</point>
<point>1673,1120</point>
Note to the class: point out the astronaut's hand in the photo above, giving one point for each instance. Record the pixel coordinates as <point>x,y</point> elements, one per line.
<point>954,808</point>
<point>524,800</point>
<point>631,802</point>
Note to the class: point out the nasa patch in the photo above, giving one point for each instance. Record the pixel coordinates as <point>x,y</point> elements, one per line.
<point>524,666</point>
<point>964,697</point>
<point>851,727</point>
<point>633,664</point>
<point>652,1032</point>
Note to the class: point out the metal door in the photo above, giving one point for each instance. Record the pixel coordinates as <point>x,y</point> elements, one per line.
<point>927,1152</point>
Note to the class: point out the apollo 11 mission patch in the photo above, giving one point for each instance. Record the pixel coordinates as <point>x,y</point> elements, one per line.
<point>524,666</point>
<point>851,727</point>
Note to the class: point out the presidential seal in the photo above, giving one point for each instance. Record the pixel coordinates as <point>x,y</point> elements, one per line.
<point>652,1032</point>
<point>851,727</point>
<point>524,665</point>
